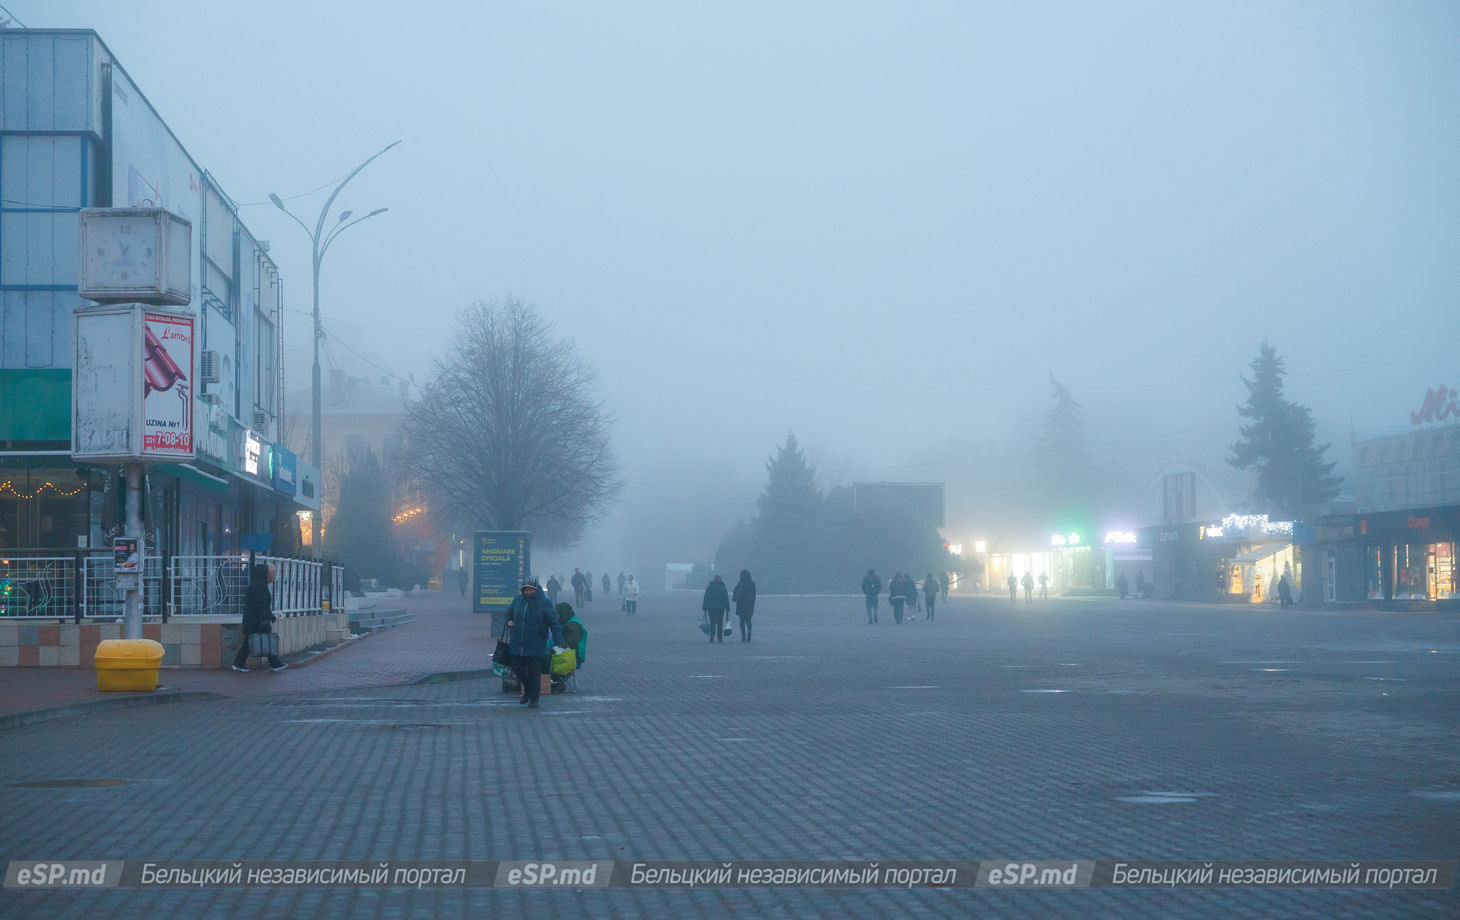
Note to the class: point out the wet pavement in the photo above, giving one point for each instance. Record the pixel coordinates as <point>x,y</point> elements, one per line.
<point>1080,729</point>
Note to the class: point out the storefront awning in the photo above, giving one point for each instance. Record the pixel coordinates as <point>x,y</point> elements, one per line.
<point>190,473</point>
<point>1259,553</point>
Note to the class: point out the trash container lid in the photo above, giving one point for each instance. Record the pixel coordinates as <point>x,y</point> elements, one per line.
<point>129,652</point>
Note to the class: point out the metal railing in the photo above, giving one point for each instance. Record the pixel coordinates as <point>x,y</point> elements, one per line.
<point>52,584</point>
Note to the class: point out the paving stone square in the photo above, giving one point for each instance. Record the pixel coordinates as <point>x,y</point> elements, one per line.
<point>1068,729</point>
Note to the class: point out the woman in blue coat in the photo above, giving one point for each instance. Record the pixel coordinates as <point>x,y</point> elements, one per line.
<point>532,628</point>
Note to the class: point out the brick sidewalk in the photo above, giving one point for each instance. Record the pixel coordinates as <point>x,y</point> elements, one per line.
<point>445,636</point>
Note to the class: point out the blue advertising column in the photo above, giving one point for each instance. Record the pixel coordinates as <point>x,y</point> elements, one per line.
<point>501,562</point>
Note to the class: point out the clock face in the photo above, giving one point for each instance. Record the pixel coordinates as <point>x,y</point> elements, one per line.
<point>122,251</point>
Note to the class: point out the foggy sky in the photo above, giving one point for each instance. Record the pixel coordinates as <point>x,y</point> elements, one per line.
<point>877,225</point>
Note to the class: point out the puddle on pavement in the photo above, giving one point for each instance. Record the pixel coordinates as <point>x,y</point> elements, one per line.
<point>1399,680</point>
<point>1267,661</point>
<point>70,783</point>
<point>1154,797</point>
<point>1272,670</point>
<point>1439,795</point>
<point>1044,691</point>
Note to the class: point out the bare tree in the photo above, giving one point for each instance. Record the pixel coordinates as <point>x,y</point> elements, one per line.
<point>508,435</point>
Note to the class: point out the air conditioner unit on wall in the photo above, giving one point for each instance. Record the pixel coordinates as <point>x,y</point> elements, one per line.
<point>208,366</point>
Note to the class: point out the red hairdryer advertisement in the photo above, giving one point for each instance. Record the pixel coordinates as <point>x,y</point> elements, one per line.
<point>167,399</point>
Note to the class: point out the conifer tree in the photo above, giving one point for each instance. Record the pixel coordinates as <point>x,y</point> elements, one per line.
<point>1065,480</point>
<point>1278,443</point>
<point>785,529</point>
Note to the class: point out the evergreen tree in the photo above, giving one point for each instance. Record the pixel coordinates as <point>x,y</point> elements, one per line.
<point>1065,481</point>
<point>1277,442</point>
<point>786,528</point>
<point>360,530</point>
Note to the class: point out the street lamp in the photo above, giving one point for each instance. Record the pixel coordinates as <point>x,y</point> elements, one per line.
<point>321,240</point>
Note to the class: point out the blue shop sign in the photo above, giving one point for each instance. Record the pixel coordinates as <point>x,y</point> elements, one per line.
<point>283,469</point>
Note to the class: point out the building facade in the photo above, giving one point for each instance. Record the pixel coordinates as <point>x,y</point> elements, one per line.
<point>76,132</point>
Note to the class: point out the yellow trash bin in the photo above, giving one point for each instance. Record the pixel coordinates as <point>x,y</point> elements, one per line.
<point>127,664</point>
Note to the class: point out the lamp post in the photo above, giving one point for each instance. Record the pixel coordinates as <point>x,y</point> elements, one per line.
<point>321,240</point>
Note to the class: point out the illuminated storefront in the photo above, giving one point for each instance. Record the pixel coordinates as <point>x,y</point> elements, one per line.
<point>1411,555</point>
<point>1257,554</point>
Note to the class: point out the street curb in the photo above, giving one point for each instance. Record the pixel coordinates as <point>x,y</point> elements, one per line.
<point>344,643</point>
<point>17,719</point>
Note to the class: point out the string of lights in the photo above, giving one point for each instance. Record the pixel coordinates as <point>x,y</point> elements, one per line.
<point>9,486</point>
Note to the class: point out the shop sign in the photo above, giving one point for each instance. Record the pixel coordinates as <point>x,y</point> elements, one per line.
<point>1120,536</point>
<point>283,468</point>
<point>1439,404</point>
<point>1419,523</point>
<point>251,456</point>
<point>1170,535</point>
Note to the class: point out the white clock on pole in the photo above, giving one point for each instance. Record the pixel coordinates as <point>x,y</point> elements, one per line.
<point>141,255</point>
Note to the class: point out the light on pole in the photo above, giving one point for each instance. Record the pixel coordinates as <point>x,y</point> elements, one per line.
<point>321,238</point>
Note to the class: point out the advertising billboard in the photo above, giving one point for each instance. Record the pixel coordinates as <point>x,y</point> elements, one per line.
<point>131,389</point>
<point>167,388</point>
<point>501,562</point>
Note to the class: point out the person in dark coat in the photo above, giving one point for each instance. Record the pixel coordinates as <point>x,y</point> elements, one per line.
<point>258,614</point>
<point>1028,582</point>
<point>871,587</point>
<point>461,581</point>
<point>554,587</point>
<point>896,595</point>
<point>578,582</point>
<point>1013,589</point>
<point>715,604</point>
<point>607,584</point>
<point>1285,592</point>
<point>531,624</point>
<point>931,588</point>
<point>744,598</point>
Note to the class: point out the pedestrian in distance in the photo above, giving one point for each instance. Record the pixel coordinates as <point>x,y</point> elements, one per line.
<point>1028,582</point>
<point>715,605</point>
<point>461,581</point>
<point>1122,585</point>
<point>554,588</point>
<point>587,587</point>
<point>607,584</point>
<point>917,597</point>
<point>578,582</point>
<point>1013,589</point>
<point>931,588</point>
<point>1043,585</point>
<point>943,584</point>
<point>621,583</point>
<point>532,629</point>
<point>871,587</point>
<point>258,615</point>
<point>631,596</point>
<point>895,596</point>
<point>1140,584</point>
<point>744,599</point>
<point>1285,592</point>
